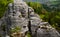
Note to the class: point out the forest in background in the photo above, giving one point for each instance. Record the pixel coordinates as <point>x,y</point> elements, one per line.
<point>49,13</point>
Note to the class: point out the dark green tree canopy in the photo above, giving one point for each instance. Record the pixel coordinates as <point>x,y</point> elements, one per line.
<point>3,6</point>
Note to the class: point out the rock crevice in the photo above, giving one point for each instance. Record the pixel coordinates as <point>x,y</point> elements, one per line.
<point>17,15</point>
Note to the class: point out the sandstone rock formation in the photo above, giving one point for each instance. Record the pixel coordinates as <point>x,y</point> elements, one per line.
<point>17,15</point>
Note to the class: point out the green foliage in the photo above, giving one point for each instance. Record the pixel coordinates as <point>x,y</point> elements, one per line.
<point>51,15</point>
<point>16,29</point>
<point>36,6</point>
<point>3,6</point>
<point>28,34</point>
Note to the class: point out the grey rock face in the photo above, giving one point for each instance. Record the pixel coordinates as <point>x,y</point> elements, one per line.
<point>47,31</point>
<point>17,15</point>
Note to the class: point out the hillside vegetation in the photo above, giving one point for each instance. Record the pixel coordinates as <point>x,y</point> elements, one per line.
<point>51,15</point>
<point>3,6</point>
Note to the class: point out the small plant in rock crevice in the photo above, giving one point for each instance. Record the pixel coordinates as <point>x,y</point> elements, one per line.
<point>16,29</point>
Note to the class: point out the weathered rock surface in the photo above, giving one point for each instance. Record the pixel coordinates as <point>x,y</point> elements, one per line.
<point>17,15</point>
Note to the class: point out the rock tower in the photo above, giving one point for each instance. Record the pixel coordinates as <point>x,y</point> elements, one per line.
<point>20,14</point>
